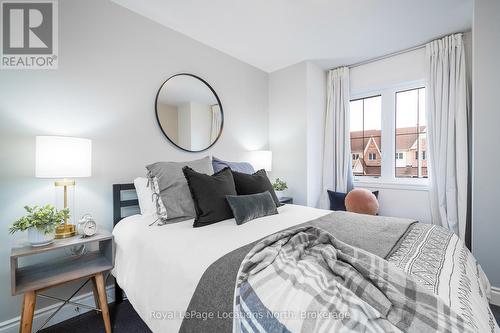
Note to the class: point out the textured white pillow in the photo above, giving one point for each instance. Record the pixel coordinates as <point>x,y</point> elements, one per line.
<point>145,196</point>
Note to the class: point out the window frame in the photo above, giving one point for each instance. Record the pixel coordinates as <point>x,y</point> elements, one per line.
<point>417,155</point>
<point>363,121</point>
<point>388,177</point>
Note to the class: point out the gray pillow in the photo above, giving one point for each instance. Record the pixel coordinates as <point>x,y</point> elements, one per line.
<point>173,190</point>
<point>248,207</point>
<point>243,167</point>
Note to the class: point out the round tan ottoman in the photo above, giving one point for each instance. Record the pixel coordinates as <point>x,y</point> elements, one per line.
<point>361,201</point>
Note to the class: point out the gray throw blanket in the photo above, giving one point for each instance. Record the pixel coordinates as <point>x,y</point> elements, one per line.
<point>305,280</point>
<point>215,291</point>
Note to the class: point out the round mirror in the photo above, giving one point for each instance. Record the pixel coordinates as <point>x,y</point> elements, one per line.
<point>189,112</point>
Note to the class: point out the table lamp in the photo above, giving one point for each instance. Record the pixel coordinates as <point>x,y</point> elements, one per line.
<point>63,158</point>
<point>261,159</point>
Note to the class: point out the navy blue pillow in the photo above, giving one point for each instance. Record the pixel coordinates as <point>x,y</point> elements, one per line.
<point>243,167</point>
<point>337,199</point>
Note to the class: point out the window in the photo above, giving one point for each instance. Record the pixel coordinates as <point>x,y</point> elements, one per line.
<point>365,133</point>
<point>399,156</point>
<point>355,157</point>
<point>411,133</point>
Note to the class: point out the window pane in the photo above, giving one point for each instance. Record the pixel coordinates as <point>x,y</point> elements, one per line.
<point>422,148</point>
<point>365,126</point>
<point>407,112</point>
<point>356,117</point>
<point>422,120</point>
<point>373,113</point>
<point>407,146</point>
<point>410,122</point>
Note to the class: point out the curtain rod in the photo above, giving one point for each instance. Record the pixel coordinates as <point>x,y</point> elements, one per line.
<point>393,54</point>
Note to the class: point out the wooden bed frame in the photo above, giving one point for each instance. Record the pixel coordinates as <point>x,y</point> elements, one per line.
<point>118,204</point>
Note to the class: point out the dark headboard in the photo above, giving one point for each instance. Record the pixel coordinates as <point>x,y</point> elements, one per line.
<point>118,203</point>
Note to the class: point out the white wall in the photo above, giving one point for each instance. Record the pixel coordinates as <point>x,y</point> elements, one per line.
<point>168,116</point>
<point>184,123</point>
<point>296,110</point>
<point>287,128</point>
<point>386,73</point>
<point>111,64</point>
<point>315,108</point>
<point>486,119</point>
<point>201,125</point>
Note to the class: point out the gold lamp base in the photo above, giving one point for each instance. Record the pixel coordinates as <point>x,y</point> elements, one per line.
<point>65,231</point>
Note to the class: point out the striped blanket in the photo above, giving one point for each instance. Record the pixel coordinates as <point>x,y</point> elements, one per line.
<point>305,280</point>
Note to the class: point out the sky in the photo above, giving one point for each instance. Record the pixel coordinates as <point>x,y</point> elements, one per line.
<point>406,111</point>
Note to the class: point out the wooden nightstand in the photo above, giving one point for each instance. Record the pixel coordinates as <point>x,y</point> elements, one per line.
<point>286,200</point>
<point>32,279</point>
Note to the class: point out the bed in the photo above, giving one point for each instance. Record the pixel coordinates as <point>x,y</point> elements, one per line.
<point>176,276</point>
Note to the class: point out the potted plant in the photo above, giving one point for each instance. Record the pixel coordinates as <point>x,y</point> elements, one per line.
<point>279,187</point>
<point>41,223</point>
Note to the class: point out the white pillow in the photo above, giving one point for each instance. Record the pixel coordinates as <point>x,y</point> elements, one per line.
<point>145,196</point>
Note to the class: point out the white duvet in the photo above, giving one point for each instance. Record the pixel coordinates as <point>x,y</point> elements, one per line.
<point>159,267</point>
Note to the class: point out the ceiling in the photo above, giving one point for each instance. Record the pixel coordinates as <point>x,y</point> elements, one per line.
<point>272,34</point>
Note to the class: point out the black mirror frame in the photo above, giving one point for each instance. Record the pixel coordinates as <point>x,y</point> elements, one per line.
<point>216,97</point>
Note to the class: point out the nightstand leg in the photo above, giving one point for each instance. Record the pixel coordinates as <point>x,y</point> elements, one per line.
<point>96,293</point>
<point>27,311</point>
<point>98,280</point>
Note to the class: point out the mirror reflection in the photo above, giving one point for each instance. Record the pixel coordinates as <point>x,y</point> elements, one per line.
<point>189,112</point>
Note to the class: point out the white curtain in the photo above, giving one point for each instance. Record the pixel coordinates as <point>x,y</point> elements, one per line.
<point>447,121</point>
<point>337,172</point>
<point>216,122</point>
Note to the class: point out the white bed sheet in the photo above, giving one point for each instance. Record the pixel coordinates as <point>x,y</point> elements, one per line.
<point>160,267</point>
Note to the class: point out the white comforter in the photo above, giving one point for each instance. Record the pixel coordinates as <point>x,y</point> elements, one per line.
<point>160,267</point>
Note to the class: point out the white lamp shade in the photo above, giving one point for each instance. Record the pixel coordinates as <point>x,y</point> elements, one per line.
<point>63,157</point>
<point>261,159</point>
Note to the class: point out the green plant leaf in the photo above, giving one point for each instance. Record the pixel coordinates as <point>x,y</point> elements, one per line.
<point>45,219</point>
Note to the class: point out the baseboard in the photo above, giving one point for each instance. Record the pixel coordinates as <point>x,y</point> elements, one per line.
<point>67,312</point>
<point>495,296</point>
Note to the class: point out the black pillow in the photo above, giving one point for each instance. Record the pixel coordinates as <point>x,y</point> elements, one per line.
<point>248,207</point>
<point>209,195</point>
<point>253,184</point>
<point>337,199</point>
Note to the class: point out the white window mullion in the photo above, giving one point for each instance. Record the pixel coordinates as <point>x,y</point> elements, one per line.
<point>388,130</point>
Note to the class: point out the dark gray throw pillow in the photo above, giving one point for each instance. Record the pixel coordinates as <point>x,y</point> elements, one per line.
<point>253,184</point>
<point>209,195</point>
<point>249,207</point>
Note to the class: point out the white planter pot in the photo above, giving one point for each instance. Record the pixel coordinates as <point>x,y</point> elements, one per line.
<point>280,194</point>
<point>38,238</point>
